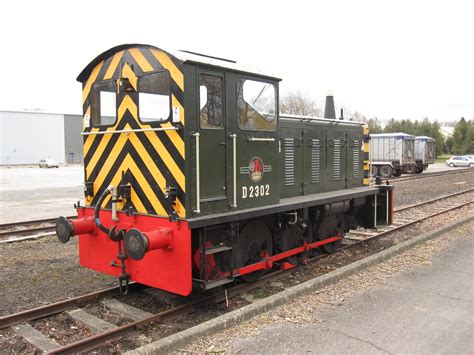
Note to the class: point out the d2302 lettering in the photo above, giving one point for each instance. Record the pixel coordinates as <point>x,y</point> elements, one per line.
<point>255,191</point>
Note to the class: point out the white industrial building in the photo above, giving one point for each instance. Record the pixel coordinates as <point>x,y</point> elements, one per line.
<point>26,137</point>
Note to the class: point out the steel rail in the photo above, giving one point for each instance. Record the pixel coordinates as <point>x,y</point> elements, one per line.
<point>23,223</point>
<point>429,175</point>
<point>19,232</point>
<point>26,231</point>
<point>410,223</point>
<point>54,308</point>
<point>95,341</point>
<point>404,208</point>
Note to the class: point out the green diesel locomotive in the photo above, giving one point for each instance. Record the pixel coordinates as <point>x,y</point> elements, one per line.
<point>193,178</point>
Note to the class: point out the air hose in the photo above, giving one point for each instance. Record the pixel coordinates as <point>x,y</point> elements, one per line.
<point>102,197</point>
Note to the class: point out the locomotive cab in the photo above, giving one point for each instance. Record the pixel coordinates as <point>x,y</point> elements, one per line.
<point>191,179</point>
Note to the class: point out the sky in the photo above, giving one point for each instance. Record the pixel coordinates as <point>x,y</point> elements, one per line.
<point>386,59</point>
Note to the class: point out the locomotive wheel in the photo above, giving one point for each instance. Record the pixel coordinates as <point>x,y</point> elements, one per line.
<point>375,171</point>
<point>324,230</point>
<point>386,171</point>
<point>307,237</point>
<point>255,240</point>
<point>332,247</point>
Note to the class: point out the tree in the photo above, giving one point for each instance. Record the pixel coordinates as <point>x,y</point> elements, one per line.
<point>449,145</point>
<point>357,116</point>
<point>426,128</point>
<point>297,103</point>
<point>417,128</point>
<point>463,137</point>
<point>374,125</point>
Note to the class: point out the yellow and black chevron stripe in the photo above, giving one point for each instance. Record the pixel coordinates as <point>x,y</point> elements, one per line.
<point>366,154</point>
<point>149,161</point>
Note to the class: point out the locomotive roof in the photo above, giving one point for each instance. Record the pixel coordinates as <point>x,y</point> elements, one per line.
<point>181,56</point>
<point>313,118</point>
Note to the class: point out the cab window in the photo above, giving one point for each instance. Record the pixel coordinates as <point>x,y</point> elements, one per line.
<point>154,103</point>
<point>211,101</point>
<point>103,104</point>
<point>256,105</point>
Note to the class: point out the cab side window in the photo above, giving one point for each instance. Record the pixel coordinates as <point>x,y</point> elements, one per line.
<point>103,104</point>
<point>154,102</point>
<point>211,101</point>
<point>256,105</point>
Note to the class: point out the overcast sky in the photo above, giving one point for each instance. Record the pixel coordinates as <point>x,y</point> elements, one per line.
<point>400,59</point>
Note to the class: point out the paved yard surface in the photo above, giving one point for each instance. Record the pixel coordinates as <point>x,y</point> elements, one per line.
<point>34,193</point>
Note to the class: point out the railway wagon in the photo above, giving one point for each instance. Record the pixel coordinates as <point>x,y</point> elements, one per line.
<point>391,154</point>
<point>425,152</point>
<point>193,179</point>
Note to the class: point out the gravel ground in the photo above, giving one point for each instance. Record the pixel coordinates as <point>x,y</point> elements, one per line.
<point>303,310</point>
<point>38,272</point>
<point>61,328</point>
<point>415,191</point>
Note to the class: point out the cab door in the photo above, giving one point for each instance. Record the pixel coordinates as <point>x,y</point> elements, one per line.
<point>253,148</point>
<point>212,130</point>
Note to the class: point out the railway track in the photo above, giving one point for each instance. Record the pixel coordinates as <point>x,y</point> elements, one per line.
<point>27,230</point>
<point>404,217</point>
<point>429,175</point>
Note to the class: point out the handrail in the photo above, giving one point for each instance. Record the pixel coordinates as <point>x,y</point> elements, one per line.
<point>173,128</point>
<point>234,167</point>
<point>254,139</point>
<point>375,210</point>
<point>198,191</point>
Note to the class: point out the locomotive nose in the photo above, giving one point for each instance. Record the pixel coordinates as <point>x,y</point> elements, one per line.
<point>65,229</point>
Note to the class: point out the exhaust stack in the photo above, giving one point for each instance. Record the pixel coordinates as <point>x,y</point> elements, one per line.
<point>329,109</point>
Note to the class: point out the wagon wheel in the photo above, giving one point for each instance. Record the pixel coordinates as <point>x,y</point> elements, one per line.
<point>386,171</point>
<point>255,240</point>
<point>410,169</point>
<point>374,171</point>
